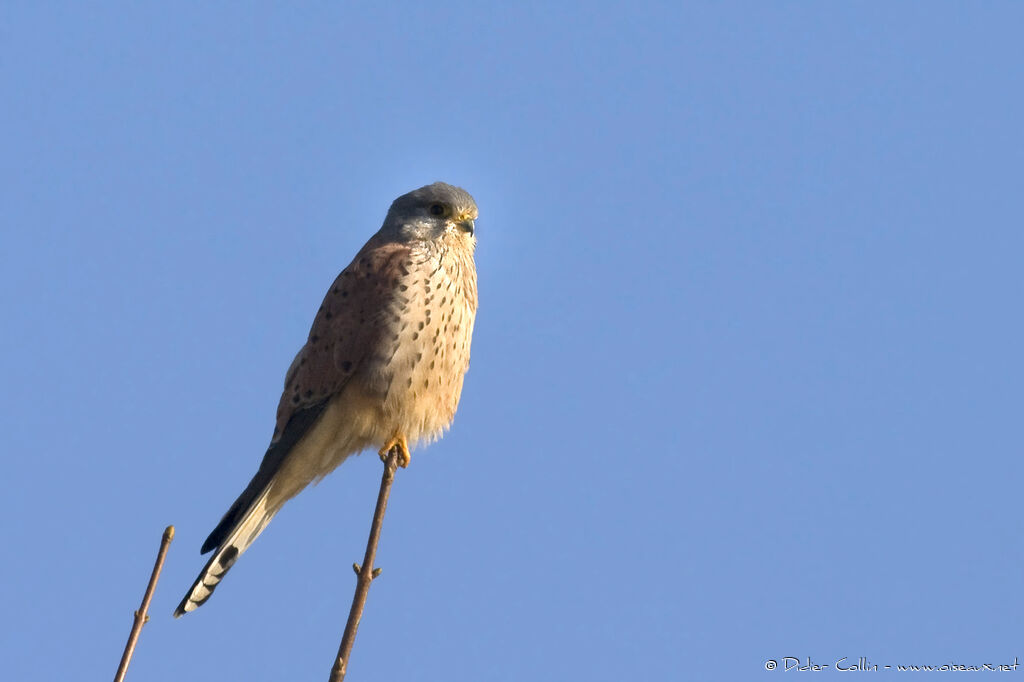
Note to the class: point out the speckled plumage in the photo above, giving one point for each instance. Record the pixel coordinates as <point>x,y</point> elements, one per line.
<point>385,358</point>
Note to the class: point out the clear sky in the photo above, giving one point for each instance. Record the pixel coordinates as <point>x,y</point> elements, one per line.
<point>747,370</point>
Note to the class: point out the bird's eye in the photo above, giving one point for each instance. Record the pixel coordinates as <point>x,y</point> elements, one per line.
<point>437,209</point>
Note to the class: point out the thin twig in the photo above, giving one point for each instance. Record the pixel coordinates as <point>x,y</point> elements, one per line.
<point>366,572</point>
<point>140,616</point>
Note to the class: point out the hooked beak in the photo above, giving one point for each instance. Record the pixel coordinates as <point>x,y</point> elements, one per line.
<point>467,225</point>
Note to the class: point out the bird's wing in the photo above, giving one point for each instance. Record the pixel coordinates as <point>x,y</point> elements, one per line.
<point>349,323</point>
<point>347,328</point>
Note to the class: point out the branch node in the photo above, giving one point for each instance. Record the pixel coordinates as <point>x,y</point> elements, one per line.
<point>376,572</point>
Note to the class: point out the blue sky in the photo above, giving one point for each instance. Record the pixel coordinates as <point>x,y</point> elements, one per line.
<point>746,376</point>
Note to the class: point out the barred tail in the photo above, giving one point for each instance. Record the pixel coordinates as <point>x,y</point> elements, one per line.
<point>236,540</point>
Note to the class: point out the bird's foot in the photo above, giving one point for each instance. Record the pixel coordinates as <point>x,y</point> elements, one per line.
<point>397,441</point>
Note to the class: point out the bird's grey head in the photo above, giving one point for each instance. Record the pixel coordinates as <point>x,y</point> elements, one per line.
<point>430,213</point>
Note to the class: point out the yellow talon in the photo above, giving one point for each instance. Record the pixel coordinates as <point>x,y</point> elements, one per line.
<point>397,441</point>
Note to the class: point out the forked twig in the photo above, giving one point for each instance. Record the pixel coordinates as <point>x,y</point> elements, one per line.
<point>140,615</point>
<point>366,572</point>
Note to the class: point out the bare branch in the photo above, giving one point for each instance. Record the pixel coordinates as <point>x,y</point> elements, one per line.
<point>366,572</point>
<point>140,616</point>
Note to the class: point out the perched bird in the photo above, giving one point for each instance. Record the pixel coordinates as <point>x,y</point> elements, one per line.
<point>382,367</point>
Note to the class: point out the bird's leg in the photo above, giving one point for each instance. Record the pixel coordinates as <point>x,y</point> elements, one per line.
<point>397,440</point>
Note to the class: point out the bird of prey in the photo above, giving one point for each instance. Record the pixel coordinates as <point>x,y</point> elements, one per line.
<point>382,367</point>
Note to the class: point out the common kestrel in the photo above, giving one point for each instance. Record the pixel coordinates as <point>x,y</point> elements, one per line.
<point>382,367</point>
